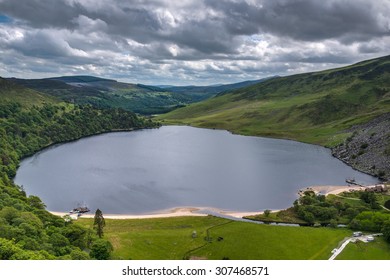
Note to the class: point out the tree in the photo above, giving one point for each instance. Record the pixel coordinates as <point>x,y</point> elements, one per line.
<point>386,230</point>
<point>101,249</point>
<point>99,223</point>
<point>77,254</point>
<point>308,217</point>
<point>267,212</point>
<point>387,204</point>
<point>333,223</point>
<point>36,202</point>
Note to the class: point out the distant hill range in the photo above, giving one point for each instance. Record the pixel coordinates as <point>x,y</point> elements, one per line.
<point>346,107</point>
<point>12,92</point>
<point>204,92</point>
<point>106,93</point>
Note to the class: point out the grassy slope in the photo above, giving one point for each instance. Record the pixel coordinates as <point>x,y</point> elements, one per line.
<point>312,107</point>
<point>10,92</point>
<point>138,98</point>
<point>376,250</point>
<point>170,238</point>
<point>107,93</point>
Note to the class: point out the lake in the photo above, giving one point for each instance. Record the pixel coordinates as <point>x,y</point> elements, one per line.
<point>177,166</point>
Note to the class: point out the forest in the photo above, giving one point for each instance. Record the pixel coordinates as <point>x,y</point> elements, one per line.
<point>27,230</point>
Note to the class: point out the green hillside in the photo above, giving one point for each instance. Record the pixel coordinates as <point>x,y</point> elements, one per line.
<point>313,107</point>
<point>11,92</point>
<point>104,93</point>
<point>200,93</point>
<point>29,122</point>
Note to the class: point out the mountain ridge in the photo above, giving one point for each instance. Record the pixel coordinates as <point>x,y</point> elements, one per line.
<point>108,93</point>
<point>318,107</point>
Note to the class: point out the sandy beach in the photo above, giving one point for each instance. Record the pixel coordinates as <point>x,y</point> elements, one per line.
<point>326,190</point>
<point>200,211</point>
<point>174,212</point>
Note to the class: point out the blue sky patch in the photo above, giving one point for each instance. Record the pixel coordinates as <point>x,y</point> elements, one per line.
<point>5,19</point>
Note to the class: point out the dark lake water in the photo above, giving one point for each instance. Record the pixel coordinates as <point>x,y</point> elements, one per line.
<point>177,166</point>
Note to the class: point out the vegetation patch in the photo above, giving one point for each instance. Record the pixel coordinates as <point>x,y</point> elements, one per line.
<point>374,250</point>
<point>27,230</point>
<point>216,238</point>
<point>360,210</point>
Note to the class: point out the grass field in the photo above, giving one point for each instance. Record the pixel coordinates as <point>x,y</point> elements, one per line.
<point>171,238</point>
<point>376,250</point>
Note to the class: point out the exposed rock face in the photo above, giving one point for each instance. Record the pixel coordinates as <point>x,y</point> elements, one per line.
<point>368,148</point>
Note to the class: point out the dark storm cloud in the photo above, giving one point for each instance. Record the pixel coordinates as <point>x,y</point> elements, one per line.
<point>223,38</point>
<point>306,19</point>
<point>299,19</point>
<point>42,13</point>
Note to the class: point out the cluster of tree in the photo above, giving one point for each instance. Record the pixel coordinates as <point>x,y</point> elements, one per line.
<point>315,208</point>
<point>27,230</point>
<point>367,216</point>
<point>371,199</point>
<point>24,132</point>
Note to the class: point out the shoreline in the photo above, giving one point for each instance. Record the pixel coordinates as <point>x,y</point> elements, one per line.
<point>205,211</point>
<point>327,190</point>
<point>169,213</point>
<point>54,144</point>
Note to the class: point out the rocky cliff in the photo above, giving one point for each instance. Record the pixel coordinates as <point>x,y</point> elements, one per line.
<point>368,147</point>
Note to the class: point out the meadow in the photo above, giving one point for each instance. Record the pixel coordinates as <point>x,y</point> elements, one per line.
<point>375,250</point>
<point>216,238</point>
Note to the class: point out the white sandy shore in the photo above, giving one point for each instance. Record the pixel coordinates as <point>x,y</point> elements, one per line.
<point>174,212</point>
<point>326,190</point>
<point>200,211</point>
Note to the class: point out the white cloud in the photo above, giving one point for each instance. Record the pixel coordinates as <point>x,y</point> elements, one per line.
<point>200,42</point>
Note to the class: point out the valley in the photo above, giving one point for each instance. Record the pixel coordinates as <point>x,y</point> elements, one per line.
<point>346,109</point>
<point>330,108</point>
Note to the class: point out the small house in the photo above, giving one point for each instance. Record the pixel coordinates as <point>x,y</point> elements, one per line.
<point>376,189</point>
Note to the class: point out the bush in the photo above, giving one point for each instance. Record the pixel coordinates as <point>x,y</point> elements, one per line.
<point>370,221</point>
<point>79,255</point>
<point>386,230</point>
<point>387,204</point>
<point>101,249</point>
<point>333,223</point>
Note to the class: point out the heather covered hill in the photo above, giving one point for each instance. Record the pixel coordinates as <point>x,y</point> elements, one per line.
<point>320,107</point>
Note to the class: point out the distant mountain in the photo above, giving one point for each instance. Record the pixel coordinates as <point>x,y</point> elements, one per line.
<point>106,93</point>
<point>204,92</point>
<point>80,79</point>
<point>327,108</point>
<point>13,92</point>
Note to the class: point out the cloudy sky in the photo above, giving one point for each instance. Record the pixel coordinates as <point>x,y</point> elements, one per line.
<point>188,41</point>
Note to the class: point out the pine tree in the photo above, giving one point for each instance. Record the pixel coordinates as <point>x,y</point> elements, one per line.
<point>99,223</point>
